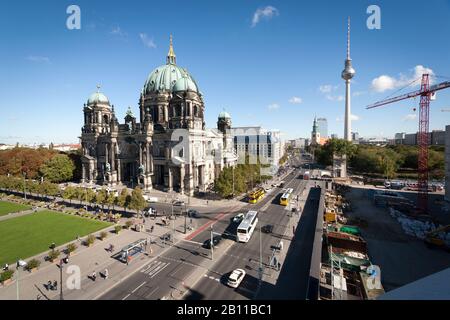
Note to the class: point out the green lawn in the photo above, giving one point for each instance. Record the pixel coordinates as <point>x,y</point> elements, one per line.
<point>9,207</point>
<point>26,236</point>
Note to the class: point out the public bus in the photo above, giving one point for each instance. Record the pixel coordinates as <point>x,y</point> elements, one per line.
<point>286,196</point>
<point>247,226</point>
<point>256,195</point>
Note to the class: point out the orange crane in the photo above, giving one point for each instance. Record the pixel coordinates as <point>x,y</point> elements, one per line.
<point>426,94</point>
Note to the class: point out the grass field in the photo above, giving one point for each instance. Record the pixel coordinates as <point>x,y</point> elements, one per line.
<point>26,236</point>
<point>9,207</point>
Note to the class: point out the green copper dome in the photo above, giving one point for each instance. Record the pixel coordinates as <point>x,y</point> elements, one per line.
<point>99,98</point>
<point>224,115</point>
<point>185,84</point>
<point>166,78</point>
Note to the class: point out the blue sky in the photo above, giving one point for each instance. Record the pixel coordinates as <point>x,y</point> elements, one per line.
<point>258,65</point>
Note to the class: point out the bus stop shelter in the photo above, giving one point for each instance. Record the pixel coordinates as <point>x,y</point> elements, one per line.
<point>133,249</point>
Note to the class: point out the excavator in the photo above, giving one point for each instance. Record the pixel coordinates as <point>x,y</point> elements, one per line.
<point>437,238</point>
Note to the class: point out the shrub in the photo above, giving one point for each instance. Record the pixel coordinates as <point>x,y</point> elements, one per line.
<point>103,235</point>
<point>128,224</point>
<point>6,275</point>
<point>71,247</point>
<point>33,263</point>
<point>90,239</point>
<point>53,254</point>
<point>117,228</point>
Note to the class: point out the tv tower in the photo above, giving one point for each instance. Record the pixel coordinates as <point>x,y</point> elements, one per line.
<point>347,75</point>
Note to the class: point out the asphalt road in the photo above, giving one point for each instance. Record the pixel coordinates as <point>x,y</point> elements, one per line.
<point>247,255</point>
<point>166,274</point>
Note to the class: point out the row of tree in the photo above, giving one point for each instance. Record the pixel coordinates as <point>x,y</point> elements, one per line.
<point>40,163</point>
<point>240,179</point>
<point>103,197</point>
<point>389,161</point>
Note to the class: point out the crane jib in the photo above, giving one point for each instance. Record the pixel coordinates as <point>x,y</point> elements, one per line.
<point>413,94</point>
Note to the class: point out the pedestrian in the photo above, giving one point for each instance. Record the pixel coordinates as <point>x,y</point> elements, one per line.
<point>49,285</point>
<point>151,229</point>
<point>106,273</point>
<point>55,285</point>
<point>94,276</point>
<point>6,267</point>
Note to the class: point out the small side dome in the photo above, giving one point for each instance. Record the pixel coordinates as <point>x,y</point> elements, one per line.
<point>184,84</point>
<point>97,98</point>
<point>224,115</point>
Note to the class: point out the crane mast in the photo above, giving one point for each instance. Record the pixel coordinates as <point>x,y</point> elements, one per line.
<point>425,93</point>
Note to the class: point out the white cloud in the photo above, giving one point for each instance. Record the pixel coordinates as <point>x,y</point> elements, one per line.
<point>148,42</point>
<point>335,98</point>
<point>119,32</point>
<point>410,117</point>
<point>38,59</point>
<point>295,100</point>
<point>385,82</point>
<point>266,13</point>
<point>273,106</point>
<point>354,117</point>
<point>358,93</point>
<point>326,88</point>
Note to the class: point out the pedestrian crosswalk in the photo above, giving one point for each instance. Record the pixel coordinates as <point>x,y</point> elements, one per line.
<point>154,268</point>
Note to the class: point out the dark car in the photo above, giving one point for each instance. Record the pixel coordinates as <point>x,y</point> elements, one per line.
<point>216,241</point>
<point>193,213</point>
<point>268,228</point>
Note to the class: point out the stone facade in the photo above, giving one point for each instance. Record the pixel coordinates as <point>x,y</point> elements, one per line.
<point>169,147</point>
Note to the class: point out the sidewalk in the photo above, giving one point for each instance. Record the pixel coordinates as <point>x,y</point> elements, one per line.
<point>271,275</point>
<point>95,258</point>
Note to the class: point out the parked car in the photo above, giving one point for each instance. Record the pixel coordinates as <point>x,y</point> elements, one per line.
<point>216,240</point>
<point>150,212</point>
<point>268,228</point>
<point>193,213</point>
<point>237,218</point>
<point>235,278</point>
<point>178,203</point>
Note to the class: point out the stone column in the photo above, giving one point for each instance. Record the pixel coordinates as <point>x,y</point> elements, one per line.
<point>83,173</point>
<point>182,173</point>
<point>119,171</point>
<point>170,177</point>
<point>113,158</point>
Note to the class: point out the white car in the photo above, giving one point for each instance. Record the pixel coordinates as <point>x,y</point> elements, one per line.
<point>236,278</point>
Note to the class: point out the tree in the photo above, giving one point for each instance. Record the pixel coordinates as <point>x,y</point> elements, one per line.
<point>137,201</point>
<point>123,199</point>
<point>69,193</point>
<point>101,197</point>
<point>110,199</point>
<point>58,169</point>
<point>49,189</point>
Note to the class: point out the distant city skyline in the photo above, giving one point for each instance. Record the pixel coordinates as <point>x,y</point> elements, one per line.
<point>273,64</point>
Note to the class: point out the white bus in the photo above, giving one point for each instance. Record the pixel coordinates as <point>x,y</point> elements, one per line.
<point>247,226</point>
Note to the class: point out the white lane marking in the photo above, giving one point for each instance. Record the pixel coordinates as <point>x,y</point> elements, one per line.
<point>193,242</point>
<point>159,270</point>
<point>126,296</point>
<point>138,287</point>
<point>152,265</point>
<point>149,295</point>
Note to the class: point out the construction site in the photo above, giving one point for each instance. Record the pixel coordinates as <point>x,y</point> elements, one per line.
<point>374,234</point>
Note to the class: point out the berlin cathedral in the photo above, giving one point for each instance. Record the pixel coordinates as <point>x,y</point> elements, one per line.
<point>169,148</point>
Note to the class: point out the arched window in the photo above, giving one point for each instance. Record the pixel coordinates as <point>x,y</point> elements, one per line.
<point>195,111</point>
<point>105,119</point>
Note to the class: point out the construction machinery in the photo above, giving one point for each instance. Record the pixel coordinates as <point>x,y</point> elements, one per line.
<point>426,93</point>
<point>439,237</point>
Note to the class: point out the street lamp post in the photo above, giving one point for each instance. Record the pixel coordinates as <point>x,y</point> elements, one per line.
<point>212,244</point>
<point>61,279</point>
<point>260,254</point>
<point>24,185</point>
<point>185,219</point>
